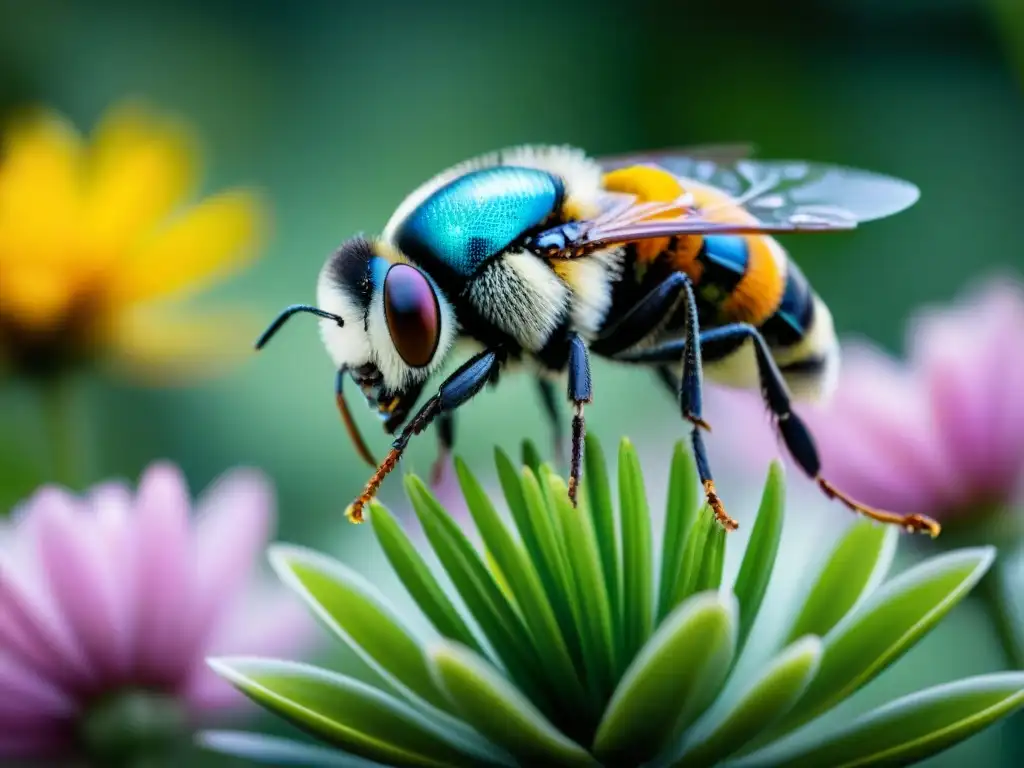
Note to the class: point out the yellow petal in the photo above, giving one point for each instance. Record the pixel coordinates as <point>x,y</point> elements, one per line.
<point>40,186</point>
<point>35,297</point>
<point>140,167</point>
<point>160,346</point>
<point>215,237</point>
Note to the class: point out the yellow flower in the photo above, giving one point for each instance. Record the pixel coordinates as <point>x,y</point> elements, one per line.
<point>97,248</point>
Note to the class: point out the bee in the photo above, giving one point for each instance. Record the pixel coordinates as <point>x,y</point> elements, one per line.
<point>546,256</point>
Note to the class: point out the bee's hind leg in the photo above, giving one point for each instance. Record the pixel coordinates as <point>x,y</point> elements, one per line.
<point>794,432</point>
<point>648,313</point>
<point>580,392</point>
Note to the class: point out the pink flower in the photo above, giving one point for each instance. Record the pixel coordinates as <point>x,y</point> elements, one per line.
<point>942,434</point>
<point>116,593</point>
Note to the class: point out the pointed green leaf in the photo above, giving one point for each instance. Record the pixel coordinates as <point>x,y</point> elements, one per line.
<point>277,751</point>
<point>594,615</point>
<point>552,564</point>
<point>355,611</point>
<point>512,487</point>
<point>499,577</point>
<point>496,709</point>
<point>602,512</point>
<point>762,549</point>
<point>681,510</point>
<point>886,625</point>
<point>417,578</point>
<point>637,581</point>
<point>771,696</point>
<point>857,565</point>
<point>671,681</point>
<point>498,620</point>
<point>351,715</point>
<point>713,560</point>
<point>525,586</point>
<point>693,556</point>
<point>909,729</point>
<point>532,457</point>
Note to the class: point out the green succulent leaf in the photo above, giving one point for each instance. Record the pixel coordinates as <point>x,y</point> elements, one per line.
<point>551,562</point>
<point>771,696</point>
<point>496,709</point>
<point>638,608</point>
<point>713,560</point>
<point>671,682</point>
<point>497,619</point>
<point>888,624</point>
<point>272,750</point>
<point>566,648</point>
<point>524,585</point>
<point>693,558</point>
<point>593,611</point>
<point>602,513</point>
<point>681,510</point>
<point>762,549</point>
<point>358,718</point>
<point>857,565</point>
<point>907,730</point>
<point>417,578</point>
<point>356,612</point>
<point>532,457</point>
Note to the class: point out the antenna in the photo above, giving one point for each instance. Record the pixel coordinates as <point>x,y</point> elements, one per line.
<point>294,309</point>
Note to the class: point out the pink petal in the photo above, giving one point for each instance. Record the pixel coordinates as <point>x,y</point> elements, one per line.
<point>78,570</point>
<point>32,628</point>
<point>112,505</point>
<point>27,743</point>
<point>234,519</point>
<point>1006,355</point>
<point>164,575</point>
<point>271,622</point>
<point>952,362</point>
<point>876,437</point>
<point>24,692</point>
<point>971,354</point>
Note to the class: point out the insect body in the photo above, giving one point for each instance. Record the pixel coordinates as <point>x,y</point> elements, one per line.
<point>547,256</point>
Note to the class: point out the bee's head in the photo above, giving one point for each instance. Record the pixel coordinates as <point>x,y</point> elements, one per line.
<point>385,324</point>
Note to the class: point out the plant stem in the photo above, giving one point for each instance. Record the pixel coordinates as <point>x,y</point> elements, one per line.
<point>997,593</point>
<point>62,431</point>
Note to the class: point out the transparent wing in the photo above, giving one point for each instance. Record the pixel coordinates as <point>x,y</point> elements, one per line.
<point>746,196</point>
<point>721,154</point>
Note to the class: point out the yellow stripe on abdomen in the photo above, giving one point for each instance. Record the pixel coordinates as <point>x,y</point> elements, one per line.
<point>759,291</point>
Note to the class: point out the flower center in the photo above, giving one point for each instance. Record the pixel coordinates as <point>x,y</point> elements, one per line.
<point>132,727</point>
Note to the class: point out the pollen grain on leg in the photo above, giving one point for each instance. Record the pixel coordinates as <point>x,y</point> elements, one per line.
<point>355,510</point>
<point>698,422</point>
<point>718,507</point>
<point>911,523</point>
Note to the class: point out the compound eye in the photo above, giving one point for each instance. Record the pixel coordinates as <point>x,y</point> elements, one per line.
<point>412,313</point>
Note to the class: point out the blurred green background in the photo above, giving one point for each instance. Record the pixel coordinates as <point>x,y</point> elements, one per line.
<point>338,109</point>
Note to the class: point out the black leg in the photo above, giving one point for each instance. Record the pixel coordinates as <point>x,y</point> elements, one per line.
<point>794,432</point>
<point>646,316</point>
<point>580,392</point>
<point>456,390</point>
<point>548,399</point>
<point>644,319</point>
<point>445,440</point>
